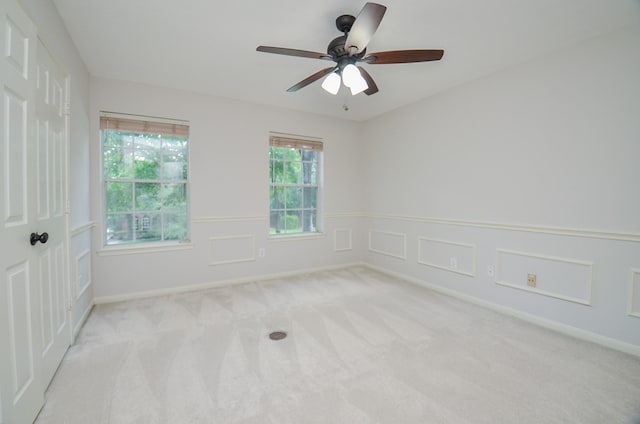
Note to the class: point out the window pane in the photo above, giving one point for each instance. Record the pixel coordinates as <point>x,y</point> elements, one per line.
<point>175,226</point>
<point>293,197</point>
<point>276,222</point>
<point>293,221</point>
<point>119,196</point>
<point>309,173</point>
<point>148,227</point>
<point>147,157</point>
<point>277,197</point>
<point>309,158</point>
<point>118,163</point>
<point>148,197</point>
<point>119,228</point>
<point>174,156</point>
<point>309,223</point>
<point>310,195</point>
<point>293,173</point>
<point>174,196</point>
<point>278,172</point>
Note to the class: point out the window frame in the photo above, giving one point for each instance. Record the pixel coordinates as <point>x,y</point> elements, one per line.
<point>141,124</point>
<point>301,143</point>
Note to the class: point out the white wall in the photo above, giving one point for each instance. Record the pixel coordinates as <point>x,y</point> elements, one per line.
<point>54,35</point>
<point>518,161</point>
<point>229,191</point>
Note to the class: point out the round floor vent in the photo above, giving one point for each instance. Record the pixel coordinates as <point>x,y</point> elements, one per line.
<point>277,335</point>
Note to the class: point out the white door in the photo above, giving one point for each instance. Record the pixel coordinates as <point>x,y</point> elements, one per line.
<point>20,373</point>
<point>50,169</point>
<point>32,277</point>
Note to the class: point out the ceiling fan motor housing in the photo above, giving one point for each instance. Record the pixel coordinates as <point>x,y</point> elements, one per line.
<point>337,51</point>
<point>345,22</point>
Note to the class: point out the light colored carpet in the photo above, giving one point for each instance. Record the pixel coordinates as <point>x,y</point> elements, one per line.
<point>363,347</point>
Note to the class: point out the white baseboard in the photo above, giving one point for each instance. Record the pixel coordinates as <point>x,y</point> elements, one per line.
<point>78,325</point>
<point>216,284</point>
<point>542,322</point>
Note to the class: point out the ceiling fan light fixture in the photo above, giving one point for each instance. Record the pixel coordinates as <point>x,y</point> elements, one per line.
<point>331,83</point>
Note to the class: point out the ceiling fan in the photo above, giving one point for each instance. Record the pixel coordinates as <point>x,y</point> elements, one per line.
<point>351,48</point>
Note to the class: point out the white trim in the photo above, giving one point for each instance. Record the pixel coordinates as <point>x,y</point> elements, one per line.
<point>586,302</point>
<point>250,258</point>
<point>335,239</point>
<point>82,228</point>
<point>218,284</point>
<point>542,322</point>
<point>107,114</point>
<point>473,247</point>
<point>344,215</point>
<point>115,250</point>
<point>81,321</point>
<point>208,219</point>
<point>286,135</point>
<point>633,312</point>
<point>382,252</point>
<point>279,238</point>
<point>565,231</point>
<point>240,218</point>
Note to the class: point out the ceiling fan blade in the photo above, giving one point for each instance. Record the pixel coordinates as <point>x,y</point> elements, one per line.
<point>403,56</point>
<point>293,52</point>
<point>373,88</point>
<point>308,80</point>
<point>364,27</point>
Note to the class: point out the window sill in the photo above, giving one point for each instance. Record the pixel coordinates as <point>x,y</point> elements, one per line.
<point>294,237</point>
<point>115,250</point>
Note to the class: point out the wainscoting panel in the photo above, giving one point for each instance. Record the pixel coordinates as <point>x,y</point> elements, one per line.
<point>342,239</point>
<point>388,243</point>
<point>566,279</point>
<point>232,249</point>
<point>634,299</point>
<point>83,272</point>
<point>447,255</point>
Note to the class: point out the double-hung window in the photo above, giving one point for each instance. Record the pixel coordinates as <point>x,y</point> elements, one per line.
<point>295,170</point>
<point>145,165</point>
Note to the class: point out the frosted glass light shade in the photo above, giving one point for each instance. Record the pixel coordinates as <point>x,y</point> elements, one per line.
<point>350,75</point>
<point>353,79</point>
<point>359,86</point>
<point>331,83</point>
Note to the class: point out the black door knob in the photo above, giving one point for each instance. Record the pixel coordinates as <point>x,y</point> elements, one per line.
<point>35,237</point>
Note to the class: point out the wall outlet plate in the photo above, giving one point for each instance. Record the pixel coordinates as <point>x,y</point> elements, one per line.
<point>531,280</point>
<point>490,271</point>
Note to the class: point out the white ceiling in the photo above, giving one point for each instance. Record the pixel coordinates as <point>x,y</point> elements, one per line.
<point>209,46</point>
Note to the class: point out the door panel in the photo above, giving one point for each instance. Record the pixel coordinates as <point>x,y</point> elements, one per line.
<point>21,385</point>
<point>15,146</point>
<point>42,166</point>
<point>51,218</point>
<point>20,339</point>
